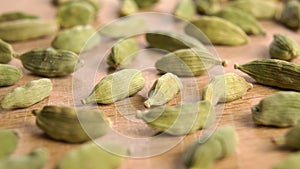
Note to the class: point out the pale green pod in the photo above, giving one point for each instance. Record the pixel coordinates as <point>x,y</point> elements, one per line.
<point>180,119</point>
<point>290,15</point>
<point>116,86</point>
<point>6,52</point>
<point>290,139</point>
<point>27,95</point>
<point>33,160</point>
<point>218,31</point>
<point>91,155</point>
<point>9,75</point>
<point>188,62</point>
<point>95,3</point>
<point>208,7</point>
<point>8,143</point>
<point>123,53</point>
<point>185,9</point>
<point>146,3</point>
<point>18,15</point>
<point>76,39</point>
<point>202,155</point>
<point>290,162</point>
<point>280,109</point>
<point>163,90</point>
<point>26,29</point>
<point>128,7</point>
<point>71,125</point>
<point>50,62</point>
<point>284,47</point>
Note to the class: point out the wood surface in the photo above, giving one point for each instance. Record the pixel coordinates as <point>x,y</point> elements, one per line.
<point>255,149</point>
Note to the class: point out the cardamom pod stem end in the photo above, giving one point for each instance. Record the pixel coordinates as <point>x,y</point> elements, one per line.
<point>89,99</point>
<point>224,63</point>
<point>280,141</point>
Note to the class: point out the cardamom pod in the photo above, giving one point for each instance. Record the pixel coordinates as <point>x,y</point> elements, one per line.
<point>8,143</point>
<point>128,7</point>
<point>225,88</point>
<point>27,95</point>
<point>280,109</point>
<point>95,3</point>
<point>218,31</point>
<point>242,19</point>
<point>163,90</point>
<point>180,119</point>
<point>76,39</point>
<point>33,160</point>
<point>201,155</point>
<point>123,53</point>
<point>6,52</point>
<point>289,139</point>
<point>188,62</point>
<point>91,155</point>
<point>9,75</point>
<point>290,162</point>
<point>284,48</point>
<point>185,9</point>
<point>273,72</point>
<point>208,7</point>
<point>26,29</point>
<point>12,16</point>
<point>171,41</point>
<point>290,15</point>
<point>71,125</point>
<point>50,62</point>
<point>145,3</point>
<point>116,86</point>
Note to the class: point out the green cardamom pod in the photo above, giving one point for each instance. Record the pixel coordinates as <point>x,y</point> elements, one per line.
<point>218,31</point>
<point>208,7</point>
<point>273,72</point>
<point>8,143</point>
<point>9,75</point>
<point>225,88</point>
<point>128,7</point>
<point>180,119</point>
<point>185,9</point>
<point>12,16</point>
<point>290,15</point>
<point>188,62</point>
<point>6,52</point>
<point>27,95</point>
<point>123,53</point>
<point>75,13</point>
<point>95,3</point>
<point>33,160</point>
<point>242,19</point>
<point>289,139</point>
<point>290,162</point>
<point>284,48</point>
<point>76,39</point>
<point>50,62</point>
<point>202,155</point>
<point>116,86</point>
<point>26,29</point>
<point>145,3</point>
<point>71,125</point>
<point>163,90</point>
<point>91,155</point>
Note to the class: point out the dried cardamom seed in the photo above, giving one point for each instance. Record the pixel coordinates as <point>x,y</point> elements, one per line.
<point>208,7</point>
<point>220,144</point>
<point>12,16</point>
<point>33,160</point>
<point>116,86</point>
<point>290,162</point>
<point>218,31</point>
<point>50,62</point>
<point>8,143</point>
<point>188,62</point>
<point>290,15</point>
<point>27,95</point>
<point>91,155</point>
<point>128,7</point>
<point>26,29</point>
<point>284,48</point>
<point>71,125</point>
<point>185,9</point>
<point>273,72</point>
<point>6,52</point>
<point>225,88</point>
<point>180,119</point>
<point>123,53</point>
<point>145,3</point>
<point>163,90</point>
<point>9,75</point>
<point>95,3</point>
<point>289,139</point>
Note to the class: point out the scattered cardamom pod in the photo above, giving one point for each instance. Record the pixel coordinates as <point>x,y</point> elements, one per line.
<point>95,3</point>
<point>9,75</point>
<point>284,48</point>
<point>180,119</point>
<point>8,143</point>
<point>116,86</point>
<point>26,29</point>
<point>50,62</point>
<point>218,31</point>
<point>123,53</point>
<point>27,95</point>
<point>128,7</point>
<point>185,9</point>
<point>289,139</point>
<point>12,16</point>
<point>225,88</point>
<point>280,109</point>
<point>273,72</point>
<point>163,90</point>
<point>290,162</point>
<point>33,160</point>
<point>290,15</point>
<point>71,125</point>
<point>91,155</point>
<point>6,52</point>
<point>208,7</point>
<point>76,39</point>
<point>188,62</point>
<point>201,155</point>
<point>145,3</point>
